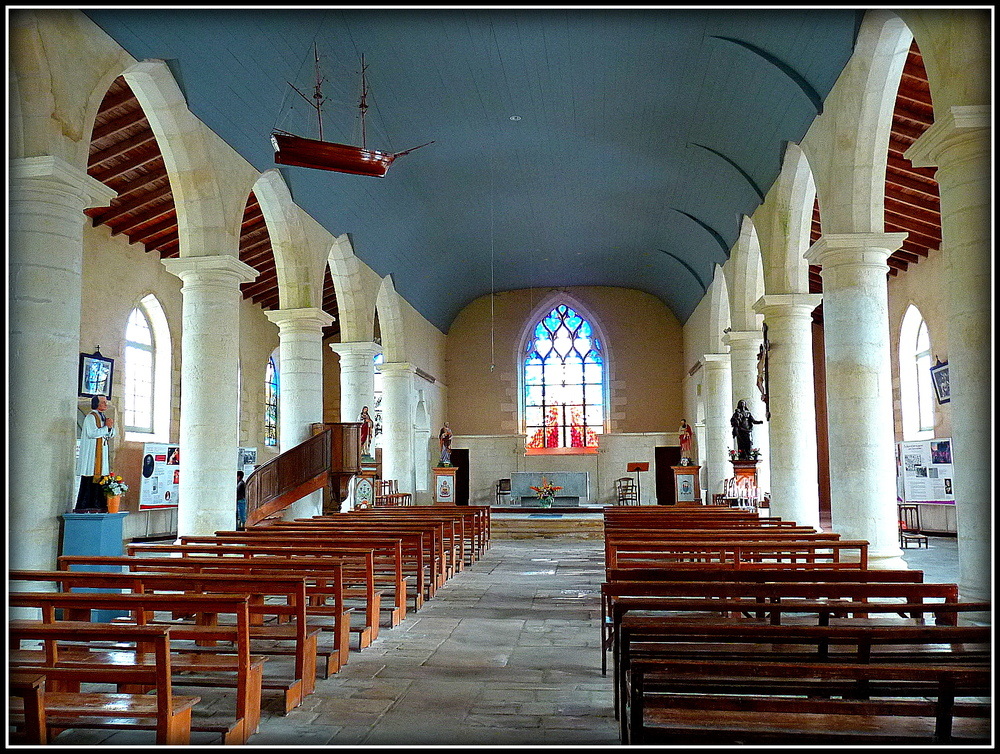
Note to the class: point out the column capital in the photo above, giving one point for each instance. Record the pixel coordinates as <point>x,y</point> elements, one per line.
<point>357,348</point>
<point>217,268</point>
<point>740,337</point>
<point>959,124</point>
<point>397,368</point>
<point>305,319</point>
<point>56,170</point>
<point>866,249</point>
<point>779,304</point>
<point>715,361</point>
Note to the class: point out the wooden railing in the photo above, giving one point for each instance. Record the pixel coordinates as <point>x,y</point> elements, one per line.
<point>330,458</point>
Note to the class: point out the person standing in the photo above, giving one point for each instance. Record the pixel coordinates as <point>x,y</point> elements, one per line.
<point>241,501</point>
<point>93,461</point>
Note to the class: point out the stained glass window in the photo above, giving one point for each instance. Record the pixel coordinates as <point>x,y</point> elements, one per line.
<point>563,382</point>
<point>271,391</point>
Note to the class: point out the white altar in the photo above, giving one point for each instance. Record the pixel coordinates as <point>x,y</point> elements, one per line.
<point>575,487</point>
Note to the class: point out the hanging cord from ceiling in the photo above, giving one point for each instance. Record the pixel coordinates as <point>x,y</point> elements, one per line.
<point>492,278</point>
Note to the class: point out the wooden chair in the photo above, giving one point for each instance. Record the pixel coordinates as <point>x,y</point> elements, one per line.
<point>626,491</point>
<point>503,490</point>
<point>909,526</point>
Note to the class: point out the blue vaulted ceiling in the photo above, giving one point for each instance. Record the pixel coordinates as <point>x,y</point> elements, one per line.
<point>643,135</point>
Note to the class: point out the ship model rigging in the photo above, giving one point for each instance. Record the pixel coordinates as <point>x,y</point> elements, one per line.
<point>299,151</point>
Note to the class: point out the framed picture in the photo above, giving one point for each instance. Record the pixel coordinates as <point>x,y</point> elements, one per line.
<point>942,385</point>
<point>96,373</point>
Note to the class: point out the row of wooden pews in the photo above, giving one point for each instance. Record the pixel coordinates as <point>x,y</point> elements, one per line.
<point>726,628</point>
<point>263,612</point>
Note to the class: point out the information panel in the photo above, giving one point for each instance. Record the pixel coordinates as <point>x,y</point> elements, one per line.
<point>161,471</point>
<point>926,468</point>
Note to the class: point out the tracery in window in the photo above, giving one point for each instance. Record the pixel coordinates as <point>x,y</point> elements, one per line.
<point>563,372</point>
<point>271,400</point>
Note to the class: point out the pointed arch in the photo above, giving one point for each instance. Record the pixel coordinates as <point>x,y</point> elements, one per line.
<point>916,390</point>
<point>355,307</point>
<point>300,274</point>
<point>784,235</point>
<point>745,278</point>
<point>147,363</point>
<point>718,318</point>
<point>390,317</point>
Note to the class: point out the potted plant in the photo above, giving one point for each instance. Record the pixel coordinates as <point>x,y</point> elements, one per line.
<point>114,487</point>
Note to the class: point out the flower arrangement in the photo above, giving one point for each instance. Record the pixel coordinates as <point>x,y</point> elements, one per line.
<point>113,485</point>
<point>752,455</point>
<point>547,492</point>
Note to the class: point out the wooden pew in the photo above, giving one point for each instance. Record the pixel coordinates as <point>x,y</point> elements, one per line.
<point>361,558</point>
<point>262,591</point>
<point>244,672</point>
<point>811,554</point>
<point>323,577</point>
<point>391,553</point>
<point>37,710</point>
<point>731,675</point>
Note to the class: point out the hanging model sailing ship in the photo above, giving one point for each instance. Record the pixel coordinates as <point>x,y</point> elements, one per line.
<point>299,151</point>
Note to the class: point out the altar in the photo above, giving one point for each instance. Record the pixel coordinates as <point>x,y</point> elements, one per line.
<point>575,486</point>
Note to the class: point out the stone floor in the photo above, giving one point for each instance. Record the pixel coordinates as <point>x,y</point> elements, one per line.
<point>507,653</point>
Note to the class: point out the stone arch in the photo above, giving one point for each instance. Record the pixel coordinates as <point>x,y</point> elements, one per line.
<point>848,145</point>
<point>718,317</point>
<point>745,278</point>
<point>300,274</point>
<point>391,320</point>
<point>784,236</point>
<point>205,225</point>
<point>355,309</point>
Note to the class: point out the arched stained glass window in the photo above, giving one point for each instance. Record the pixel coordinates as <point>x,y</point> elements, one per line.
<point>139,362</point>
<point>271,395</point>
<point>563,382</point>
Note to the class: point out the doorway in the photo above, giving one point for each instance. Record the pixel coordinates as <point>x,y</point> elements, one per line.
<point>460,458</point>
<point>663,458</point>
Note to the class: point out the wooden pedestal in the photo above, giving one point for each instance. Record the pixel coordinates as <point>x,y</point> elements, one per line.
<point>686,485</point>
<point>444,484</point>
<point>745,470</point>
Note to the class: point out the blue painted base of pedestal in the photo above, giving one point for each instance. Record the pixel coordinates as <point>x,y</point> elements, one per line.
<point>95,534</point>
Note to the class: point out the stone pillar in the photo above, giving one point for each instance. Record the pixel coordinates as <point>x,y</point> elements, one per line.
<point>45,216</point>
<point>300,339</point>
<point>718,409</point>
<point>357,377</point>
<point>397,421</point>
<point>959,144</point>
<point>792,430</point>
<point>859,389</point>
<point>209,431</point>
<point>744,346</point>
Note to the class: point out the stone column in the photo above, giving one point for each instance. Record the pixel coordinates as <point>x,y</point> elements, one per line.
<point>300,339</point>
<point>744,346</point>
<point>718,408</point>
<point>792,430</point>
<point>859,389</point>
<point>357,377</point>
<point>959,144</point>
<point>209,424</point>
<point>45,216</point>
<point>397,421</point>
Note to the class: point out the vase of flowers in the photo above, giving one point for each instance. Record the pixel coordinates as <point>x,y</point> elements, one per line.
<point>114,487</point>
<point>546,493</point>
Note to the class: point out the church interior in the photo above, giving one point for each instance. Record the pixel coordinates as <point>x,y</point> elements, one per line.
<point>582,266</point>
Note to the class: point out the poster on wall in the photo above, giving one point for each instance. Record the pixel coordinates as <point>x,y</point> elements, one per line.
<point>246,460</point>
<point>161,471</point>
<point>926,469</point>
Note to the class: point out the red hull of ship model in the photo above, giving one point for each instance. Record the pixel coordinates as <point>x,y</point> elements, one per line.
<point>290,149</point>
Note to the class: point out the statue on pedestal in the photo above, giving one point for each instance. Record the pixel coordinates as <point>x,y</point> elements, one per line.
<point>686,435</point>
<point>742,422</point>
<point>444,437</point>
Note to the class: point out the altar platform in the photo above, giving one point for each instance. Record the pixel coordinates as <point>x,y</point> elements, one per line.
<point>577,522</point>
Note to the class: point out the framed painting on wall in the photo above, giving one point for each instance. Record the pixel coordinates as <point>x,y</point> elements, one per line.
<point>96,373</point>
<point>942,382</point>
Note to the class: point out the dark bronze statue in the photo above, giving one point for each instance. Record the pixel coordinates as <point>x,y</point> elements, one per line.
<point>742,423</point>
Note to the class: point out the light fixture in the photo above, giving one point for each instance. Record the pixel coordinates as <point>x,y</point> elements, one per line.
<point>515,117</point>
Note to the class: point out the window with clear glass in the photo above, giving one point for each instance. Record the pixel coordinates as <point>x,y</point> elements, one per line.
<point>563,371</point>
<point>271,396</point>
<point>139,373</point>
<point>916,388</point>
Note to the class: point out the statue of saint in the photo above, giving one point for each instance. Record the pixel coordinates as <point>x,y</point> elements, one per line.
<point>742,422</point>
<point>687,442</point>
<point>367,433</point>
<point>444,437</point>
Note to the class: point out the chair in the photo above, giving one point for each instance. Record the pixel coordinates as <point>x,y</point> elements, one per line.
<point>909,526</point>
<point>503,490</point>
<point>626,491</point>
